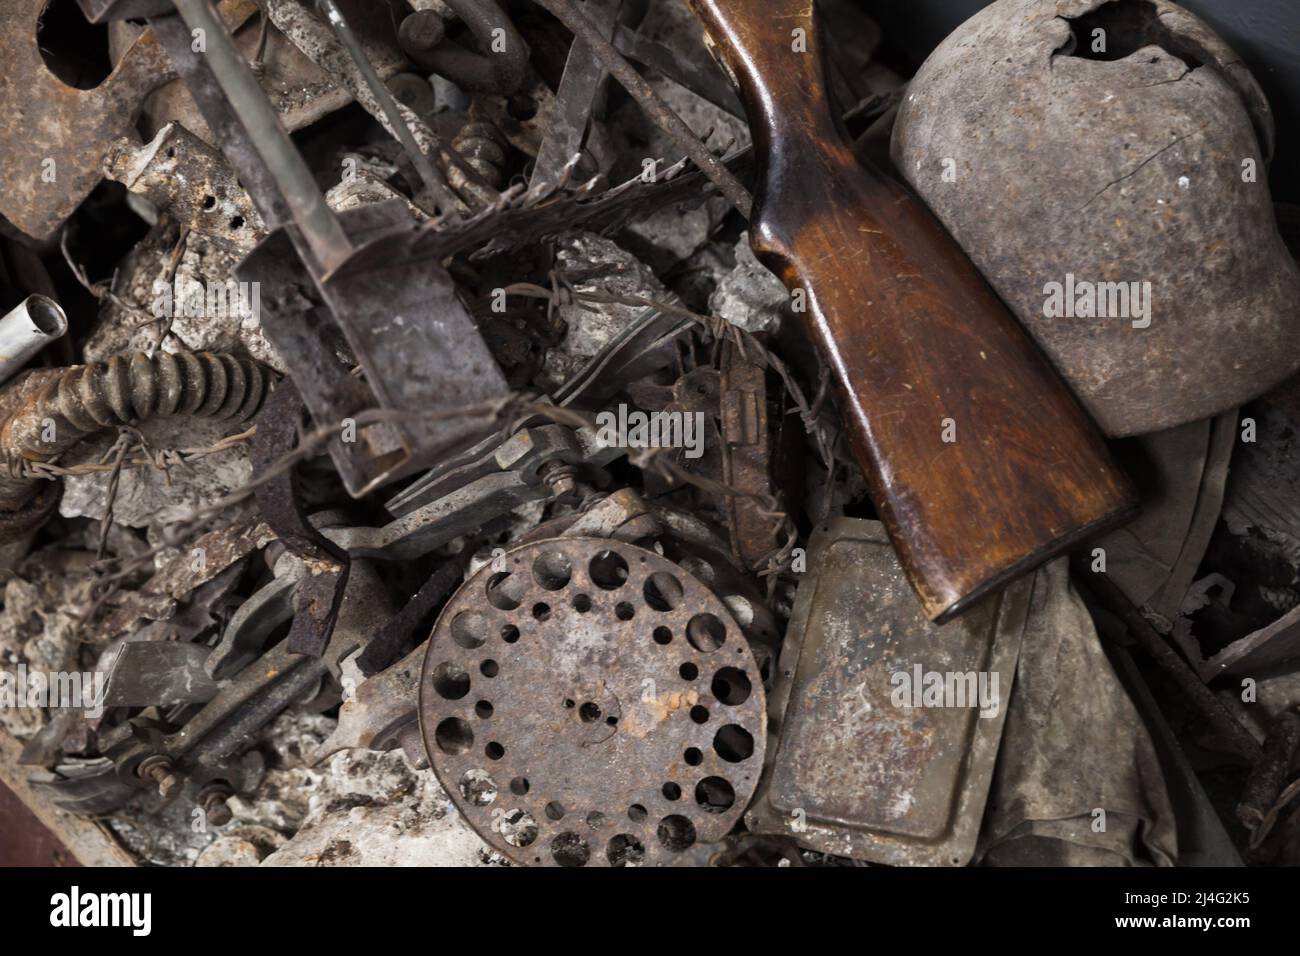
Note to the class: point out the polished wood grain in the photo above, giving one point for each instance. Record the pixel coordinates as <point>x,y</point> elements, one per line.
<point>919,346</point>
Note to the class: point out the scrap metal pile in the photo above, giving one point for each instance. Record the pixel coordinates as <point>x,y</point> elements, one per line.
<point>455,432</point>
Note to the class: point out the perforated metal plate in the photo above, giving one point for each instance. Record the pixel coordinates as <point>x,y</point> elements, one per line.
<point>586,702</point>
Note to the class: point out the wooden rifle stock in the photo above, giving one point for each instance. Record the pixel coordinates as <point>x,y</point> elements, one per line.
<point>981,463</point>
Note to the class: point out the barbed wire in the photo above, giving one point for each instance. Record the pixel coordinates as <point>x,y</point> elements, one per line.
<point>137,455</point>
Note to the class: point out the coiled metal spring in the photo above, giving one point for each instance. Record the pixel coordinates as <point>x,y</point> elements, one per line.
<point>483,148</point>
<point>125,390</point>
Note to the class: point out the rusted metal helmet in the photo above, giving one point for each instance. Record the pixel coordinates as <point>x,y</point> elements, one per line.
<point>1103,163</point>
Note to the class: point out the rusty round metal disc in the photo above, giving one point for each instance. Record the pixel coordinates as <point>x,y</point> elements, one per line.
<point>589,703</point>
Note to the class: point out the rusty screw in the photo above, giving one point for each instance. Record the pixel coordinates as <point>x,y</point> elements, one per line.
<point>212,798</point>
<point>160,771</point>
<point>421,31</point>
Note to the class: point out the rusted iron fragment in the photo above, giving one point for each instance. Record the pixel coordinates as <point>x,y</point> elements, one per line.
<point>295,76</point>
<point>588,702</point>
<point>192,181</point>
<point>395,633</point>
<point>747,446</point>
<point>185,575</point>
<point>53,137</point>
<point>208,556</point>
<point>320,592</point>
<point>860,769</point>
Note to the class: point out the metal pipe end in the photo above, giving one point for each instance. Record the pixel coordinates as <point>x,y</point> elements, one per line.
<point>46,315</point>
<point>26,329</point>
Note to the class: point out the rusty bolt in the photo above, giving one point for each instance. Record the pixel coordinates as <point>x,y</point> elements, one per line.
<point>412,90</point>
<point>421,31</point>
<point>212,798</point>
<point>560,478</point>
<point>160,771</point>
